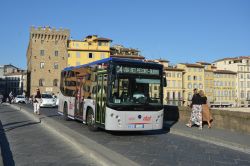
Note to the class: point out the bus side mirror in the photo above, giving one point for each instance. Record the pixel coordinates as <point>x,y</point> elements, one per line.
<point>164,82</point>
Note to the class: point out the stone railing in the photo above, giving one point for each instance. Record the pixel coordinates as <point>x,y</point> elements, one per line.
<point>223,119</point>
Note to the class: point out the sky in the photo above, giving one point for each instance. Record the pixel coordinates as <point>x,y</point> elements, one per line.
<point>181,31</point>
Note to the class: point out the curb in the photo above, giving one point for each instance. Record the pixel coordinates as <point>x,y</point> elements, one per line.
<point>97,152</point>
<point>212,140</point>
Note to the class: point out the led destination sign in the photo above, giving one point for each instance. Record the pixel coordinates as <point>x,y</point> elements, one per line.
<point>136,70</point>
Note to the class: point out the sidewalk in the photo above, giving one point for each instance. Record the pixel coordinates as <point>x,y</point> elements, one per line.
<point>233,140</point>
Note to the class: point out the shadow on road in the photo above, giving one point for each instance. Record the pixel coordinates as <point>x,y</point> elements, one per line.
<point>5,148</point>
<point>22,125</point>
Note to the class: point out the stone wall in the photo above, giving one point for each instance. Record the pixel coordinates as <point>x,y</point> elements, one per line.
<point>222,119</point>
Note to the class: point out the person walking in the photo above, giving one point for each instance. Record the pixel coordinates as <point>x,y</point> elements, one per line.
<point>206,115</point>
<point>196,114</point>
<point>37,101</point>
<point>10,97</point>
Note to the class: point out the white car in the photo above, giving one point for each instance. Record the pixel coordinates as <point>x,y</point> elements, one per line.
<point>20,99</point>
<point>48,100</point>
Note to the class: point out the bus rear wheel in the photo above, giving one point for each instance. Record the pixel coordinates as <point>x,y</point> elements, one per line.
<point>65,111</point>
<point>91,120</point>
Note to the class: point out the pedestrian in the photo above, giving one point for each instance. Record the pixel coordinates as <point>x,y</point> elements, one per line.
<point>206,114</point>
<point>37,101</point>
<point>196,114</point>
<point>10,97</point>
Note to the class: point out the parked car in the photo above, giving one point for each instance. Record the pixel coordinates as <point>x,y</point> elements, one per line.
<point>48,100</point>
<point>20,99</point>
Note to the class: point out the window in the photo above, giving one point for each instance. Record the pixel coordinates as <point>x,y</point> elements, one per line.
<point>56,53</point>
<point>189,96</point>
<point>102,55</point>
<point>174,95</point>
<point>41,82</point>
<point>42,41</point>
<point>42,52</point>
<point>241,84</point>
<point>42,65</point>
<point>90,55</point>
<point>195,78</point>
<point>242,95</point>
<point>189,86</point>
<point>189,77</point>
<point>179,95</point>
<point>248,84</point>
<point>200,86</point>
<point>78,54</point>
<point>195,85</point>
<point>68,55</point>
<point>55,82</point>
<point>241,76</point>
<point>99,43</point>
<point>56,65</point>
<point>179,84</point>
<point>174,85</point>
<point>168,95</point>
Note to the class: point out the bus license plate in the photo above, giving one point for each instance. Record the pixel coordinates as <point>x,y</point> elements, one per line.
<point>131,126</point>
<point>139,126</point>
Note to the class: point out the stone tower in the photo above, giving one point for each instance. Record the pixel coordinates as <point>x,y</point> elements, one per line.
<point>46,57</point>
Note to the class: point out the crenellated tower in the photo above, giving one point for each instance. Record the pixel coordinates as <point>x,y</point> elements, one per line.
<point>46,57</point>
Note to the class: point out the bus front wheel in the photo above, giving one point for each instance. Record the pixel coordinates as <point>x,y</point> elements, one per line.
<point>91,120</point>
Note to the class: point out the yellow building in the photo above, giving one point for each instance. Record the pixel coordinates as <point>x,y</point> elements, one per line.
<point>92,48</point>
<point>224,88</point>
<point>208,80</point>
<point>173,93</point>
<point>193,77</point>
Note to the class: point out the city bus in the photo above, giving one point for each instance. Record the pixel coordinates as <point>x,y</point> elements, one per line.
<point>114,94</point>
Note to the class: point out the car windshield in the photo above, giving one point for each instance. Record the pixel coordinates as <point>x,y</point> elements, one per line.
<point>135,90</point>
<point>47,96</point>
<point>20,96</point>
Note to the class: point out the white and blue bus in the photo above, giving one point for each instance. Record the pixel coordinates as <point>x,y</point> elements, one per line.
<point>114,94</point>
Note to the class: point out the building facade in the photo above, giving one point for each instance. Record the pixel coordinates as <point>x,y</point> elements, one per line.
<point>193,77</point>
<point>208,80</point>
<point>240,65</point>
<point>120,51</point>
<point>12,79</point>
<point>46,57</point>
<point>173,93</point>
<point>224,88</point>
<point>92,48</point>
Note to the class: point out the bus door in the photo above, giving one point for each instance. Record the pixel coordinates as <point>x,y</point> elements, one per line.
<point>101,97</point>
<point>79,99</point>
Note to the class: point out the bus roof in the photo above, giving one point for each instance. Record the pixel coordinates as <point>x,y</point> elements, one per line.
<point>110,59</point>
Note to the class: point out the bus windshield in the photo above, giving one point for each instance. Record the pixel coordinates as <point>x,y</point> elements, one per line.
<point>135,90</point>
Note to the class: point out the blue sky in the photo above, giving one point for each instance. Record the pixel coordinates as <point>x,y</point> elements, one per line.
<point>177,30</point>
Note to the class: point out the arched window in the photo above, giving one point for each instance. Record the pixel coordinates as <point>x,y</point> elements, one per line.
<point>41,82</point>
<point>189,96</point>
<point>55,82</point>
